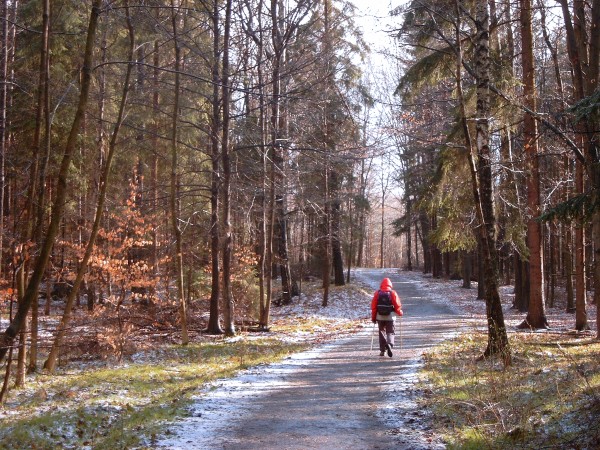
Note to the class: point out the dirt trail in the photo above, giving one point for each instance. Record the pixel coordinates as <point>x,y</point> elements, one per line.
<point>341,395</point>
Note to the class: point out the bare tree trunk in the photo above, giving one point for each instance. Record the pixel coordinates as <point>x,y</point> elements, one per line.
<point>174,184</point>
<point>336,245</point>
<point>4,87</point>
<point>497,338</point>
<point>481,175</point>
<point>578,62</point>
<point>593,82</point>
<point>384,189</point>
<point>536,316</point>
<point>50,363</point>
<point>567,245</point>
<point>326,239</point>
<point>350,254</point>
<point>408,216</point>
<point>277,144</point>
<point>225,158</point>
<point>466,269</point>
<point>262,279</point>
<point>155,141</point>
<point>22,352</point>
<point>213,322</point>
<point>362,221</point>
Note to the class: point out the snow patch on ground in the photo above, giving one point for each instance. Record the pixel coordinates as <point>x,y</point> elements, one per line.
<point>403,416</point>
<point>465,302</point>
<point>216,408</point>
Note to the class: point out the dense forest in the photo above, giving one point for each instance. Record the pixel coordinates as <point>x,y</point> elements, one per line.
<point>185,165</point>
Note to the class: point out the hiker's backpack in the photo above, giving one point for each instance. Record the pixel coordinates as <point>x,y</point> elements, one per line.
<point>384,303</point>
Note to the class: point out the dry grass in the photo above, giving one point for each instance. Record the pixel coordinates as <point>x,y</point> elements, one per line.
<point>548,398</point>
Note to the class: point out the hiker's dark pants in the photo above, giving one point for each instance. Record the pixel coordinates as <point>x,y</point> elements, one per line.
<point>386,333</point>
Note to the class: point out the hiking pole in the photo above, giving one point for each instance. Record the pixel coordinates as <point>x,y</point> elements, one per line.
<point>372,335</point>
<point>400,333</point>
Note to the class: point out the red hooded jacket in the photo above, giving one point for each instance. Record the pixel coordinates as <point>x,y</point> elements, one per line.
<point>386,285</point>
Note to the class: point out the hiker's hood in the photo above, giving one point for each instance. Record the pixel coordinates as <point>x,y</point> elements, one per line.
<point>386,285</point>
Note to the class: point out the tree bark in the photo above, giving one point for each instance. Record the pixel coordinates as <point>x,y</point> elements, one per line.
<point>578,62</point>
<point>4,83</point>
<point>174,184</point>
<point>336,244</point>
<point>228,312</point>
<point>277,144</point>
<point>536,316</point>
<point>214,326</point>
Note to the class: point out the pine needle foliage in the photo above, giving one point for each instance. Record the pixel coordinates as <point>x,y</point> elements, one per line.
<point>427,71</point>
<point>577,208</point>
<point>588,108</point>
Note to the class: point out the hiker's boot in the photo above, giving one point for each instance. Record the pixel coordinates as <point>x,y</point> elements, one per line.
<point>390,343</point>
<point>389,350</point>
<point>390,339</point>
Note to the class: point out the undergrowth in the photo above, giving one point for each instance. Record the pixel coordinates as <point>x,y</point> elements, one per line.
<point>549,397</point>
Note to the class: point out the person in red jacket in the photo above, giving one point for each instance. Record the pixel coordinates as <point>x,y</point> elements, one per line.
<point>385,306</point>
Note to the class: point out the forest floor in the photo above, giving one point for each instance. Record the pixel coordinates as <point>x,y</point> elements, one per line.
<point>426,396</point>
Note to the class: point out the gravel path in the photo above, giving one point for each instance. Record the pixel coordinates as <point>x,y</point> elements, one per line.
<point>341,395</point>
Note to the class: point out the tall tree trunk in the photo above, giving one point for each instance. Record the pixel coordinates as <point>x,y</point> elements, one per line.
<point>593,155</point>
<point>578,62</point>
<point>326,239</point>
<point>350,254</point>
<point>155,142</point>
<point>425,229</point>
<point>22,352</point>
<point>336,245</point>
<point>497,338</point>
<point>481,175</point>
<point>262,110</point>
<point>382,237</point>
<point>214,326</point>
<point>278,143</point>
<point>61,331</point>
<point>466,269</point>
<point>4,87</point>
<point>362,221</point>
<point>35,193</point>
<point>408,215</point>
<point>567,244</point>
<point>228,312</point>
<point>174,183</point>
<point>536,316</point>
